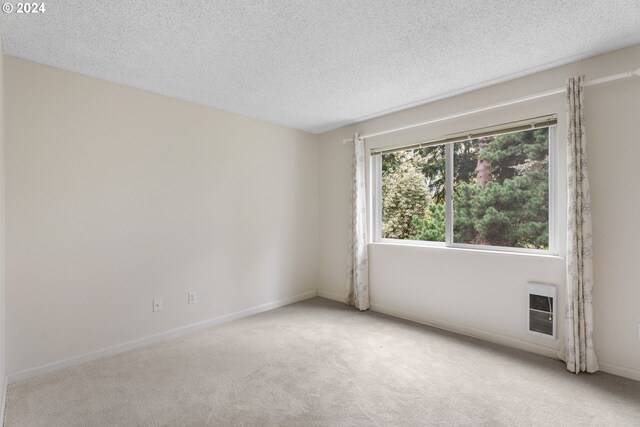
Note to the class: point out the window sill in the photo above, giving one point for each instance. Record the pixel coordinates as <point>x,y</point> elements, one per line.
<point>443,246</point>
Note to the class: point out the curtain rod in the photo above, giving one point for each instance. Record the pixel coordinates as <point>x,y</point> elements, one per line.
<point>520,125</point>
<point>606,79</point>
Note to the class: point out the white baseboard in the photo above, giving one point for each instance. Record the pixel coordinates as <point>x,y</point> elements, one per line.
<point>468,331</point>
<point>611,368</point>
<point>621,371</point>
<point>151,339</point>
<point>173,333</point>
<point>3,402</point>
<point>331,296</point>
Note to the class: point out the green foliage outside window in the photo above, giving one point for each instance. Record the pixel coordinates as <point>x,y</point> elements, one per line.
<point>405,195</point>
<point>501,192</point>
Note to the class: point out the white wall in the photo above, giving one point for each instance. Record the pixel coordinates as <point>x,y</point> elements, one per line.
<point>2,242</point>
<point>116,196</point>
<point>483,294</point>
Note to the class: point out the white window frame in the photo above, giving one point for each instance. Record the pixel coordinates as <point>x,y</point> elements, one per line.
<point>376,204</point>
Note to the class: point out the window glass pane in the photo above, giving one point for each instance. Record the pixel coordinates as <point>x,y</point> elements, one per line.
<point>501,190</point>
<point>413,194</point>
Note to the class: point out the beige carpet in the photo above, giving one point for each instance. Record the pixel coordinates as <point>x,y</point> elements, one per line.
<point>320,363</point>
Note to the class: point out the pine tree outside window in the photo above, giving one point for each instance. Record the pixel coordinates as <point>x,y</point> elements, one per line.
<point>491,190</point>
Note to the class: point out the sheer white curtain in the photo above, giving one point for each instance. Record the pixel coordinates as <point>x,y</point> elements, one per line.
<point>358,285</point>
<point>580,356</point>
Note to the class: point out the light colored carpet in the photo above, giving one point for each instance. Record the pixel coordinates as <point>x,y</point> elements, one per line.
<point>320,363</point>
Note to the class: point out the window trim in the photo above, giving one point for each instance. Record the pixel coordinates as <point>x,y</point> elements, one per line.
<point>549,121</point>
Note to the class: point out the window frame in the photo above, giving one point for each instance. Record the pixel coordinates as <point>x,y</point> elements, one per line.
<point>375,168</point>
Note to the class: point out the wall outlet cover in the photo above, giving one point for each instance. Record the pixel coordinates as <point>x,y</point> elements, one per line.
<point>192,298</point>
<point>157,304</point>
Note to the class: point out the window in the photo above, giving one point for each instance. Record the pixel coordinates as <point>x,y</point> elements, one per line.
<point>488,188</point>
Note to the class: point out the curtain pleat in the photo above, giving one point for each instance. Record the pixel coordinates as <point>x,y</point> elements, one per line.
<point>580,355</point>
<point>358,285</point>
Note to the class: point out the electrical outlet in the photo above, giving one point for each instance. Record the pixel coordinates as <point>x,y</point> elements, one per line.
<point>157,304</point>
<point>193,297</point>
<point>638,330</point>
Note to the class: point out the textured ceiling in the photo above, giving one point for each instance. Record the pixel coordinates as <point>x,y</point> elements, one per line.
<point>317,65</point>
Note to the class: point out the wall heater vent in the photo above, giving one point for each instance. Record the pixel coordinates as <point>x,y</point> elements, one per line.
<point>541,313</point>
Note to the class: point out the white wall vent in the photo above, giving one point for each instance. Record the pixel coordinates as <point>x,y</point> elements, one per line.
<point>541,313</point>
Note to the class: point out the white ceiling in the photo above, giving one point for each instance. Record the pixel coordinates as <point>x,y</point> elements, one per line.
<point>317,65</point>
